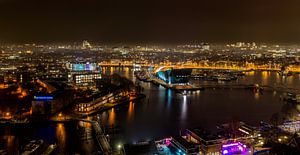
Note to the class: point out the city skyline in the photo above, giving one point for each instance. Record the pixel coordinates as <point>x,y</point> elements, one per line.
<point>136,77</point>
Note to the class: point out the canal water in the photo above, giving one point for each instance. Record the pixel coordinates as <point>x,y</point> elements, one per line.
<point>162,113</point>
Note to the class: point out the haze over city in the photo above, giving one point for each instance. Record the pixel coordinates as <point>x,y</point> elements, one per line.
<point>134,21</point>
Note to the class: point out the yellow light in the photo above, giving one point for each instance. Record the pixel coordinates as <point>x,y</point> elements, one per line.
<point>119,146</point>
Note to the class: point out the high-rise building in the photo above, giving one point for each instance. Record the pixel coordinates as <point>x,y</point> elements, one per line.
<point>86,45</point>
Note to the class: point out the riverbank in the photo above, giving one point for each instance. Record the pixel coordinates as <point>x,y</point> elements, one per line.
<point>108,106</point>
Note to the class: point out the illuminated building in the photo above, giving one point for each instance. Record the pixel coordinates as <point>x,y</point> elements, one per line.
<point>42,105</point>
<point>137,67</point>
<point>174,76</point>
<point>183,147</point>
<point>83,73</point>
<point>205,46</point>
<point>86,45</point>
<point>86,78</point>
<point>247,130</point>
<point>208,143</point>
<point>47,104</point>
<point>234,148</point>
<point>80,67</point>
<point>291,126</point>
<point>51,101</point>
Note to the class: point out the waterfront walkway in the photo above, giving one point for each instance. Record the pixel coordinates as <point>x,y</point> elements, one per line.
<point>96,108</point>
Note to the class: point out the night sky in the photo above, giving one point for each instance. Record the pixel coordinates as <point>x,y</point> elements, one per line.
<point>150,21</point>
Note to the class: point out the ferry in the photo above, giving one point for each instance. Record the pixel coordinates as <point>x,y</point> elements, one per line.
<point>224,77</point>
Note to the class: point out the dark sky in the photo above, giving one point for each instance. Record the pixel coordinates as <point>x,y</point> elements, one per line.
<point>152,21</point>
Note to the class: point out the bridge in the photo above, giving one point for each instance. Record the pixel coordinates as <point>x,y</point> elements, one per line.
<point>279,88</point>
<point>101,139</point>
<point>100,136</point>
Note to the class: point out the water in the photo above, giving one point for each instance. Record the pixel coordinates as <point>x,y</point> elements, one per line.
<point>164,112</point>
<point>160,114</point>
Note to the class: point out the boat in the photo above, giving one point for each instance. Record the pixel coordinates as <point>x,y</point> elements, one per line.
<point>254,87</point>
<point>240,74</point>
<point>222,77</point>
<point>285,73</point>
<point>3,152</point>
<point>33,147</point>
<point>51,148</point>
<point>291,97</point>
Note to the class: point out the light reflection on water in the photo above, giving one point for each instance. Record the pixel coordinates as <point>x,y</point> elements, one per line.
<point>10,143</point>
<point>265,77</point>
<point>184,108</point>
<point>130,114</point>
<point>61,137</point>
<point>112,117</point>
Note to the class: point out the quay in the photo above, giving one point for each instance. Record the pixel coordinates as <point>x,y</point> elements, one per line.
<point>187,87</point>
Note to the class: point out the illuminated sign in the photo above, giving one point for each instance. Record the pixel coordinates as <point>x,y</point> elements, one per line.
<point>43,97</point>
<point>233,148</point>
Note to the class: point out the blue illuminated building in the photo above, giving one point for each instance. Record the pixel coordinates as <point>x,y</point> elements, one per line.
<point>84,67</point>
<point>174,76</point>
